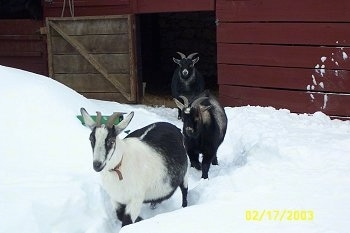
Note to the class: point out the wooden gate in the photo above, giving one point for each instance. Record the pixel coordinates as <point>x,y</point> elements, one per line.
<point>94,56</point>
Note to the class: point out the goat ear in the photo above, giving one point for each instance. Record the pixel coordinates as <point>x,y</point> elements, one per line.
<point>88,121</point>
<point>194,61</point>
<point>179,104</point>
<point>177,61</point>
<point>124,123</point>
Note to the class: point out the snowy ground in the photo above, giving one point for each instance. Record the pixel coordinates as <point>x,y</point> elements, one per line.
<point>272,162</point>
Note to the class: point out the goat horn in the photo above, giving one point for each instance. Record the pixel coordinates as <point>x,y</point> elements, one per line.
<point>98,119</point>
<point>182,55</point>
<point>112,118</point>
<point>198,101</point>
<point>191,55</point>
<point>185,100</point>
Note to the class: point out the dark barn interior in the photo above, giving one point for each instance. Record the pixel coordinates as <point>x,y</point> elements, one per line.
<point>161,35</point>
<point>21,9</point>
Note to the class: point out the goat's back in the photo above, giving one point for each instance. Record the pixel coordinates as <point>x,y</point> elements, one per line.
<point>167,139</point>
<point>217,112</point>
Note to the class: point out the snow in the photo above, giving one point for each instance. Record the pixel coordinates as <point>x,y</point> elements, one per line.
<point>321,84</point>
<point>345,56</point>
<point>314,80</point>
<point>321,70</point>
<point>325,100</point>
<point>270,160</point>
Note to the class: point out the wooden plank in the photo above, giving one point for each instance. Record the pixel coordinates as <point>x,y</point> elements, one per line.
<point>20,27</point>
<point>91,82</point>
<point>13,46</point>
<point>335,34</point>
<point>285,56</point>
<point>18,60</point>
<point>91,59</point>
<point>20,54</point>
<point>156,6</point>
<point>93,43</point>
<point>134,90</point>
<point>114,63</point>
<point>111,96</point>
<point>295,101</point>
<point>285,78</point>
<point>20,38</point>
<point>49,48</point>
<point>276,10</point>
<point>92,25</point>
<point>87,8</point>
<point>93,3</point>
<point>88,11</point>
<point>38,67</point>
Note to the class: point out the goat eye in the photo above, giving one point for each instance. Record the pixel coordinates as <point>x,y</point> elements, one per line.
<point>92,138</point>
<point>110,141</point>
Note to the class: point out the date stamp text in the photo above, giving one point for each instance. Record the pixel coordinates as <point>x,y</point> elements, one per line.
<point>280,215</point>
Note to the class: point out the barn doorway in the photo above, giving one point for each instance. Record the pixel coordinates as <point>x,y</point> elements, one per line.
<point>160,36</point>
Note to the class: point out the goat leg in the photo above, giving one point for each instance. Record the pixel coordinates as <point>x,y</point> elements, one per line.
<point>215,161</point>
<point>207,160</point>
<point>120,210</point>
<point>132,211</point>
<point>184,191</point>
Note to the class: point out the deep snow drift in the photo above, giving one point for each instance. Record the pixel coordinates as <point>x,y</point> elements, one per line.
<point>271,162</point>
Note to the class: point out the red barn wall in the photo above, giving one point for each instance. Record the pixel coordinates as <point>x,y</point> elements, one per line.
<point>22,46</point>
<point>285,54</point>
<point>114,7</point>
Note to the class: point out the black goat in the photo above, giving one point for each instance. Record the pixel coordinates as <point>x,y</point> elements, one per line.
<point>204,129</point>
<point>186,81</point>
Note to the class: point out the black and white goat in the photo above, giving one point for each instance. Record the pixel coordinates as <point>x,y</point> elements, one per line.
<point>147,166</point>
<point>186,81</point>
<point>204,129</point>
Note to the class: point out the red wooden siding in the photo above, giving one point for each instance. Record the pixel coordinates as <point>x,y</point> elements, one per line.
<point>283,11</point>
<point>22,46</point>
<point>151,6</point>
<point>285,54</point>
<point>117,7</point>
<point>295,100</point>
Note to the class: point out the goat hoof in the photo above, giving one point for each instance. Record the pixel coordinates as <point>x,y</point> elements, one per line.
<point>196,165</point>
<point>138,219</point>
<point>215,161</point>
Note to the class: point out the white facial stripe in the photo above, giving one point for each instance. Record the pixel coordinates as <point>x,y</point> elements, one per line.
<point>187,110</point>
<point>100,149</point>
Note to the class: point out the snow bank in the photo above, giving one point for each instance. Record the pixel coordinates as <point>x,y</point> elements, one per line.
<point>270,160</point>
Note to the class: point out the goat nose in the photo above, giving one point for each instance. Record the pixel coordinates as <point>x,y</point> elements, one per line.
<point>189,130</point>
<point>185,72</point>
<point>97,166</point>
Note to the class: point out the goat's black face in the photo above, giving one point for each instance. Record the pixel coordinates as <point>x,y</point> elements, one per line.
<point>186,68</point>
<point>103,145</point>
<point>192,122</point>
